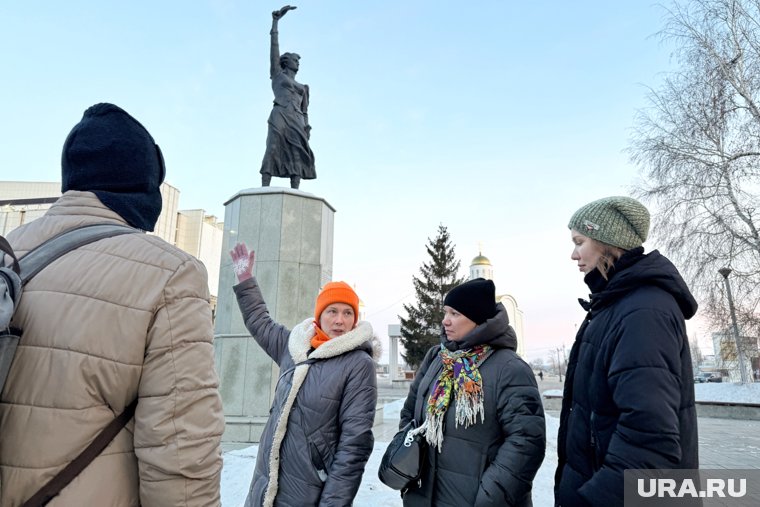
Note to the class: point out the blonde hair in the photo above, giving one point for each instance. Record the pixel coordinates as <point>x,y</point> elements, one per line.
<point>610,254</point>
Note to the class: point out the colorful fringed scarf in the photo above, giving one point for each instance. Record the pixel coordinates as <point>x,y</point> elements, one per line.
<point>460,376</point>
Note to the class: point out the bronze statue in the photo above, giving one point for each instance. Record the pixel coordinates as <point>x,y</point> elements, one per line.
<point>288,154</point>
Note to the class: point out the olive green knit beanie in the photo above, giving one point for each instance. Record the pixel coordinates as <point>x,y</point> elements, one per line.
<point>618,221</point>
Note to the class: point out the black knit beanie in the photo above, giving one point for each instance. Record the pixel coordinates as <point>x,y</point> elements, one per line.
<point>475,299</point>
<point>112,155</point>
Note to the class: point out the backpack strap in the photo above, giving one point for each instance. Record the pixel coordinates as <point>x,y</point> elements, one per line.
<point>75,467</point>
<point>8,250</point>
<point>61,244</point>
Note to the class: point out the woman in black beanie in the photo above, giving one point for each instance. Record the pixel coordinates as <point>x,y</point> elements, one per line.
<point>479,402</point>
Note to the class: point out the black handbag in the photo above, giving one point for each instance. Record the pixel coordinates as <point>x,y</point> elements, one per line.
<point>401,465</point>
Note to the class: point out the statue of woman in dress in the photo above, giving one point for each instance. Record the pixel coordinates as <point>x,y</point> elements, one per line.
<point>288,154</point>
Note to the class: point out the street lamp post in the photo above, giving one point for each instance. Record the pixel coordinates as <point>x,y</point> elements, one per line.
<point>725,272</point>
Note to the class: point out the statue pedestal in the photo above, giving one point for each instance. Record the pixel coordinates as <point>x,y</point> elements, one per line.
<point>291,232</point>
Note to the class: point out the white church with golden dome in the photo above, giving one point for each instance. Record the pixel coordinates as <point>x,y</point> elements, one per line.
<point>481,267</point>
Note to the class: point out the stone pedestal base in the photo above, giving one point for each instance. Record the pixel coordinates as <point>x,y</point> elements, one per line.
<point>292,234</point>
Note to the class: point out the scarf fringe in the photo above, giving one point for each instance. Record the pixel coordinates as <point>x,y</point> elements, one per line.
<point>469,406</point>
<point>434,431</point>
<point>460,377</point>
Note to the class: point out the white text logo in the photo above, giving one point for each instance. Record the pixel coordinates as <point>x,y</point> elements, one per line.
<point>662,488</point>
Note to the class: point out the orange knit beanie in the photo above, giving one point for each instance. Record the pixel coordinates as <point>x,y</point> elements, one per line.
<point>336,292</point>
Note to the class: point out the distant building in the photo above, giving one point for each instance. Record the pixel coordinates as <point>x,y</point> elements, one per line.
<point>23,201</point>
<point>727,360</point>
<point>398,369</point>
<point>708,362</point>
<point>166,225</point>
<point>193,231</point>
<point>362,308</point>
<point>201,236</point>
<point>481,267</point>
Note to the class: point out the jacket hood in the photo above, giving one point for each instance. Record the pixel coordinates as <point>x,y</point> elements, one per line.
<point>495,332</point>
<point>652,269</point>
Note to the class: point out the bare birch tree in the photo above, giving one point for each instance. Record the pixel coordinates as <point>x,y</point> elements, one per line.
<point>698,148</point>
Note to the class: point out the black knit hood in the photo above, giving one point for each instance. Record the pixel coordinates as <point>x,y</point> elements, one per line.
<point>112,155</point>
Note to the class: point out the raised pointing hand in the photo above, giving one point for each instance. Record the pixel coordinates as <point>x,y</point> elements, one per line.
<point>242,261</point>
<point>283,11</point>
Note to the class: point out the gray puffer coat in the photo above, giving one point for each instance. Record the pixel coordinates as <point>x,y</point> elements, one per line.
<point>493,462</point>
<point>318,438</point>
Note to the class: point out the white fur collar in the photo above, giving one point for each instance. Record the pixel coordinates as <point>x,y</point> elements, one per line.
<point>299,342</point>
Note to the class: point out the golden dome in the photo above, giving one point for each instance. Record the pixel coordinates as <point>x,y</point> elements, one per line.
<point>480,260</point>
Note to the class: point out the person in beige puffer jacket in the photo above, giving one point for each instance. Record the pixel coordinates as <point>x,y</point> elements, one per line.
<point>122,318</point>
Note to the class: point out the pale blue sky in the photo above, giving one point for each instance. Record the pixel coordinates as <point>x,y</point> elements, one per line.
<point>497,119</point>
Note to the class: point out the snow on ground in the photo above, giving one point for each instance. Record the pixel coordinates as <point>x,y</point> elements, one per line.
<point>711,391</point>
<point>238,470</point>
<point>238,465</point>
<point>728,392</point>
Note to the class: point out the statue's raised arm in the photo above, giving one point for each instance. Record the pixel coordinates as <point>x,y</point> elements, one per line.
<point>274,52</point>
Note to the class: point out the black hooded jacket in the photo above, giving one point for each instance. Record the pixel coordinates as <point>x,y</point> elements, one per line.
<point>490,463</point>
<point>629,397</point>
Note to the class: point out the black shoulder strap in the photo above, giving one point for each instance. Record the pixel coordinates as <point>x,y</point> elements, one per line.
<point>70,471</point>
<point>6,249</point>
<point>57,246</point>
<point>311,360</point>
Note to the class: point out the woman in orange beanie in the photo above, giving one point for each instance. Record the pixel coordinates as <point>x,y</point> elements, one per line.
<point>318,437</point>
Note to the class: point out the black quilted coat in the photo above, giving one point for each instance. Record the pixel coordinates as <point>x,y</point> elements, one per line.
<point>629,396</point>
<point>490,463</point>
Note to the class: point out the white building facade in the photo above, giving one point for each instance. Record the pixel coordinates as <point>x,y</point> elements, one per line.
<point>201,236</point>
<point>481,267</point>
<point>193,231</point>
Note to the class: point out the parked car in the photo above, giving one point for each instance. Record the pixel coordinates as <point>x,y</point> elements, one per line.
<point>706,376</point>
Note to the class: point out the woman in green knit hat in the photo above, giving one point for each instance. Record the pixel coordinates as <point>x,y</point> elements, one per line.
<point>629,399</point>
